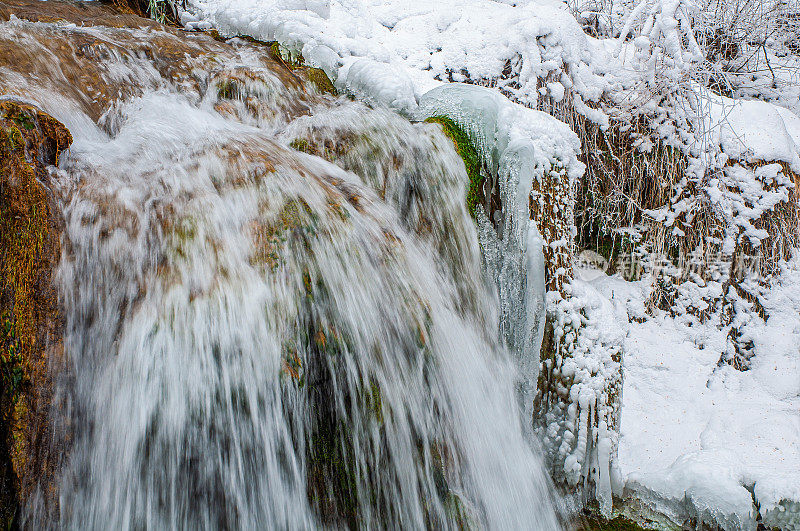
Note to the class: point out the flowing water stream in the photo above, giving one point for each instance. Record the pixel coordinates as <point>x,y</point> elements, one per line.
<point>258,337</point>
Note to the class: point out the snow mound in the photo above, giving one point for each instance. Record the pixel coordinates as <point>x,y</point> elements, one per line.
<point>700,438</point>
<point>755,131</point>
<point>378,84</point>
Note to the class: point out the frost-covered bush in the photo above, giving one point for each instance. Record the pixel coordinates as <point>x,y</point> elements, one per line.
<point>746,48</point>
<point>663,37</point>
<point>599,18</point>
<point>680,166</point>
<point>749,48</point>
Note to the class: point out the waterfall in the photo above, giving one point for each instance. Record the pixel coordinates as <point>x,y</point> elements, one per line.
<point>275,311</point>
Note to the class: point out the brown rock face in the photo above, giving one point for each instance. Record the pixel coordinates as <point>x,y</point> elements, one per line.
<point>30,326</point>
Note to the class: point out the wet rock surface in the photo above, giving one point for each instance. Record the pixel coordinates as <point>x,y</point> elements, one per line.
<point>97,55</point>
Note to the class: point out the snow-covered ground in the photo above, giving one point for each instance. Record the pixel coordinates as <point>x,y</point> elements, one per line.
<point>702,437</point>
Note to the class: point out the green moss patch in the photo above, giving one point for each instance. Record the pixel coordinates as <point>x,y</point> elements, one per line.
<point>300,144</point>
<point>12,371</point>
<point>29,323</point>
<point>466,150</point>
<point>318,78</point>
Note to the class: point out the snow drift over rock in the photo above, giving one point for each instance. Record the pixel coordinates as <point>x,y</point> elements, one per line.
<point>378,83</point>
<point>755,131</point>
<point>430,42</point>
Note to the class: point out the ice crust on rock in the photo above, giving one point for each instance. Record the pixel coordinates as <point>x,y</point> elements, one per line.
<point>582,426</point>
<point>517,145</point>
<point>502,130</point>
<point>378,84</point>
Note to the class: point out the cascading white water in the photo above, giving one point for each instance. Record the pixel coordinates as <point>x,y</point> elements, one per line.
<point>258,338</point>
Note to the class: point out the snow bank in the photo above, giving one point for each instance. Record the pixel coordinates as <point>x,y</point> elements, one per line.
<point>700,438</point>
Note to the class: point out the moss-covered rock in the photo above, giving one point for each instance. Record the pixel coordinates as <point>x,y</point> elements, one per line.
<point>468,154</point>
<point>30,326</point>
<point>316,77</point>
